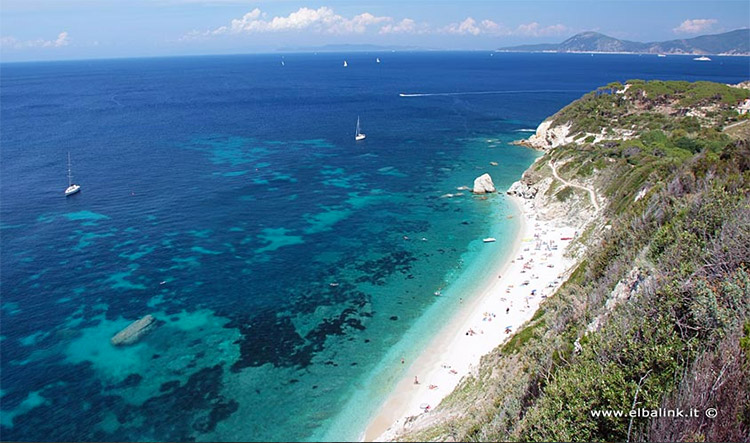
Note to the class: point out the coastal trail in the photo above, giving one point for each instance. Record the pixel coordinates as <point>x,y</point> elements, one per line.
<point>591,192</point>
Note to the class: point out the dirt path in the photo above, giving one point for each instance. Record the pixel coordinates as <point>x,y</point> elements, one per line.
<point>591,192</point>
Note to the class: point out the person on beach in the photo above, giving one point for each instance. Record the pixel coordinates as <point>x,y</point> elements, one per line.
<point>416,380</point>
<point>507,310</point>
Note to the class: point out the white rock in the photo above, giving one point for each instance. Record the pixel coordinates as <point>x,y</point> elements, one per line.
<point>523,190</point>
<point>547,137</point>
<point>483,184</point>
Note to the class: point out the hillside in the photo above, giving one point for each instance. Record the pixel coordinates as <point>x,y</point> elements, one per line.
<point>656,314</point>
<point>734,42</point>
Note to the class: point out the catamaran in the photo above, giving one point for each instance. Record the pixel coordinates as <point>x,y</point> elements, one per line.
<point>358,135</point>
<point>72,188</point>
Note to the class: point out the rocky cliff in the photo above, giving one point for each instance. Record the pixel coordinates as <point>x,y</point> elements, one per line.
<point>656,313</point>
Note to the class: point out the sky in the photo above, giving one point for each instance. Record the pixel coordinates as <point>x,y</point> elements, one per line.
<point>84,29</point>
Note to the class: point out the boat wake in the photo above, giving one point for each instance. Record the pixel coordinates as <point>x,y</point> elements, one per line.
<point>532,91</point>
<point>525,130</point>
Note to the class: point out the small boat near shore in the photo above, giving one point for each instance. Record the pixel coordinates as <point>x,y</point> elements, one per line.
<point>702,59</point>
<point>489,240</point>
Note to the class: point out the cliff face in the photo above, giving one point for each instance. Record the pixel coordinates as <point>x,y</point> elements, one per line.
<point>659,303</point>
<point>549,137</point>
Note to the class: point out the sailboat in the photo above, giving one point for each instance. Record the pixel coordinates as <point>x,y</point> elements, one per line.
<point>345,64</point>
<point>72,188</point>
<point>358,135</point>
<point>377,59</point>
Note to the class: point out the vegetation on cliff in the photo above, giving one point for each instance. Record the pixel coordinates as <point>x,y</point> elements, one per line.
<point>697,110</point>
<point>657,313</point>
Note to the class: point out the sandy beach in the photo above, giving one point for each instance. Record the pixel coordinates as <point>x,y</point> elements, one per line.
<point>505,300</point>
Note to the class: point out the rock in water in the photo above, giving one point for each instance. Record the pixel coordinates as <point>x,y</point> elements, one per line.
<point>134,331</point>
<point>483,184</point>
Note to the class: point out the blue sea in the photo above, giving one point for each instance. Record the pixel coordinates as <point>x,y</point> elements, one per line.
<point>289,268</point>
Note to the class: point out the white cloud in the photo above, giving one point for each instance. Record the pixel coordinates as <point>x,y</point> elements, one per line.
<point>491,27</point>
<point>62,40</point>
<point>246,21</point>
<point>694,26</point>
<point>405,26</point>
<point>321,20</point>
<point>12,42</point>
<point>325,21</point>
<point>488,27</point>
<point>468,26</point>
<point>534,29</point>
<point>358,24</point>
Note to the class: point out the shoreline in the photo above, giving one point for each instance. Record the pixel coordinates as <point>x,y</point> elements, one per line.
<point>455,352</point>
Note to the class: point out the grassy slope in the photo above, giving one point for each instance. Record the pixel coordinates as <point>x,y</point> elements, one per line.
<point>681,337</point>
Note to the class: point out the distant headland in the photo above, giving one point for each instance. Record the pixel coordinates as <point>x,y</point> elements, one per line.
<point>735,42</point>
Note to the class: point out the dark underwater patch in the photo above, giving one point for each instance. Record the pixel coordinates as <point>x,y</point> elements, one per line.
<point>377,271</point>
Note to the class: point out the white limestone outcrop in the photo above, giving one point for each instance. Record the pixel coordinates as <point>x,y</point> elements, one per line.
<point>548,137</point>
<point>483,184</point>
<point>523,190</point>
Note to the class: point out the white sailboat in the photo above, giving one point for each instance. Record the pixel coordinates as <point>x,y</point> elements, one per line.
<point>345,64</point>
<point>72,188</point>
<point>377,59</point>
<point>358,135</point>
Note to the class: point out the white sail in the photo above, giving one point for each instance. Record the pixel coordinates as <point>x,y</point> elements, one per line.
<point>70,174</point>
<point>72,188</point>
<point>345,64</point>
<point>358,135</point>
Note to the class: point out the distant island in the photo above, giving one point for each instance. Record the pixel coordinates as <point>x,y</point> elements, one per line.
<point>729,43</point>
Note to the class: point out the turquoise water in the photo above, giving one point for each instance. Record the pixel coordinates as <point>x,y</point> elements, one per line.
<point>288,267</point>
